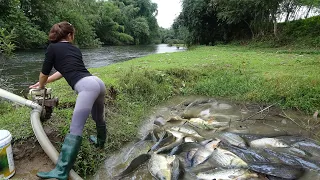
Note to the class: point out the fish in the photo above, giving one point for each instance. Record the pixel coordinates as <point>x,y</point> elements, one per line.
<point>187,131</point>
<point>163,167</point>
<point>206,141</point>
<point>212,144</point>
<point>161,137</point>
<point>308,146</point>
<point>177,134</point>
<point>150,136</point>
<point>291,139</point>
<point>134,164</point>
<point>190,139</point>
<point>163,141</point>
<point>251,137</point>
<point>201,155</point>
<point>246,154</point>
<point>293,151</point>
<point>209,124</point>
<point>223,174</point>
<point>204,152</point>
<point>293,160</point>
<point>233,139</point>
<point>191,154</point>
<point>267,143</point>
<point>169,147</point>
<point>141,147</point>
<point>283,157</point>
<point>176,120</point>
<point>277,170</point>
<point>184,147</point>
<point>176,170</point>
<point>225,158</point>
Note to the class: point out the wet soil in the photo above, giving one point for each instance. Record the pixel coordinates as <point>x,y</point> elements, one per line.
<point>29,157</point>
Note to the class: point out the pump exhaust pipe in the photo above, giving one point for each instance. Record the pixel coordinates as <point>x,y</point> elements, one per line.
<point>37,127</point>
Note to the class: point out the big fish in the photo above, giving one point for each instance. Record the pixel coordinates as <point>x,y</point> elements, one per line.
<point>309,146</point>
<point>224,174</point>
<point>186,130</point>
<point>226,158</point>
<point>268,143</point>
<point>134,164</point>
<point>233,139</point>
<point>184,147</point>
<point>163,167</point>
<point>247,154</point>
<point>278,170</point>
<point>209,124</point>
<point>295,160</point>
<point>203,153</point>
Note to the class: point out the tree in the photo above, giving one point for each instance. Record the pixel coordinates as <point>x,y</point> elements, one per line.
<point>139,20</point>
<point>107,29</point>
<point>27,35</point>
<point>200,18</point>
<point>113,22</point>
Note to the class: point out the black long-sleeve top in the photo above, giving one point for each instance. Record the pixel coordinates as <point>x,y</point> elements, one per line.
<point>67,59</point>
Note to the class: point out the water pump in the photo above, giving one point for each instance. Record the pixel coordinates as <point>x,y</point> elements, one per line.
<point>44,98</point>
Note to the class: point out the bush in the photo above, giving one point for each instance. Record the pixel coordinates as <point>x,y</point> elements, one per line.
<point>305,32</point>
<point>6,45</point>
<point>28,37</point>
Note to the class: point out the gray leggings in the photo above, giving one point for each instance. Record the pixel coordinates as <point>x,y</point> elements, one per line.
<point>91,93</point>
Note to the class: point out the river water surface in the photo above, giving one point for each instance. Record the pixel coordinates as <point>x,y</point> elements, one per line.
<point>23,70</point>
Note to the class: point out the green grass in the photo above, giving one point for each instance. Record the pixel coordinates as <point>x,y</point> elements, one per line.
<point>239,73</point>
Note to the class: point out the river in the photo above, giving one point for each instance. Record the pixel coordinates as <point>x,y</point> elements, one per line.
<point>23,69</point>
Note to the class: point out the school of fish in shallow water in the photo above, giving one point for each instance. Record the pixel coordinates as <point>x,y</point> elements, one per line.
<point>204,146</point>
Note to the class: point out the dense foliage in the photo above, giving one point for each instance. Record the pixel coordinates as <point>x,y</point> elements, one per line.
<point>25,23</point>
<point>209,21</point>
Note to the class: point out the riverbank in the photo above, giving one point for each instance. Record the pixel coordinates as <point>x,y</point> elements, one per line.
<point>237,73</point>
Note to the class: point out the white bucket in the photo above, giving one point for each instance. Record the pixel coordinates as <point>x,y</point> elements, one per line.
<point>7,169</point>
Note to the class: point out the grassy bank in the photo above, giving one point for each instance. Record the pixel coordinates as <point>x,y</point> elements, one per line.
<point>233,72</point>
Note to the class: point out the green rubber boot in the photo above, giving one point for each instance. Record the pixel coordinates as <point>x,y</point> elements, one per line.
<point>100,139</point>
<point>67,157</point>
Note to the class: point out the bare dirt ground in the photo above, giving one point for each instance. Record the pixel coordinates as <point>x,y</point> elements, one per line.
<point>29,158</point>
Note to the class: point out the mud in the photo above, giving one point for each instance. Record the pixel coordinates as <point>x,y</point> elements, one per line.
<point>29,158</point>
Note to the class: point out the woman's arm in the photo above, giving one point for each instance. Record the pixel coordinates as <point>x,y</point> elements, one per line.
<point>57,75</point>
<point>44,79</point>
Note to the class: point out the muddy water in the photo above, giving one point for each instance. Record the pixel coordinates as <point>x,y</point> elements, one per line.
<point>268,123</point>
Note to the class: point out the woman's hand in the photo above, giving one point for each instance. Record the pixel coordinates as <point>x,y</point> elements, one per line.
<point>35,86</point>
<point>44,79</point>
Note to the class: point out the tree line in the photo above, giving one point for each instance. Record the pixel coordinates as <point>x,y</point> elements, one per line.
<point>25,24</point>
<point>209,21</point>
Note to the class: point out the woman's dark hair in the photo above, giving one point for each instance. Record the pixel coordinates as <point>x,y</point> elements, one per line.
<point>60,31</point>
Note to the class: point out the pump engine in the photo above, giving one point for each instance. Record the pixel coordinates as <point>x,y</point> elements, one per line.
<point>44,98</point>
